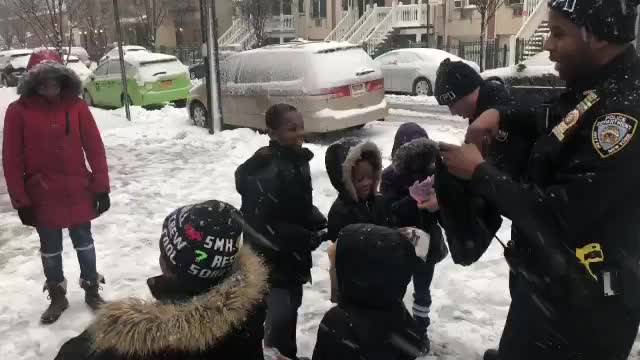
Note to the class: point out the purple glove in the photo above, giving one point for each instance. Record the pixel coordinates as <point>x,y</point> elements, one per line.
<point>422,191</point>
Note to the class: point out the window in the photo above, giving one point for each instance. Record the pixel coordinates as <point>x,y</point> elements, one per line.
<point>319,9</point>
<point>114,67</point>
<point>458,4</point>
<point>102,70</point>
<point>388,59</point>
<point>405,58</point>
<point>254,69</point>
<point>301,9</point>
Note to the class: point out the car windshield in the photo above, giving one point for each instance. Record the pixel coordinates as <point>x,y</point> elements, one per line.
<point>20,62</point>
<point>339,66</point>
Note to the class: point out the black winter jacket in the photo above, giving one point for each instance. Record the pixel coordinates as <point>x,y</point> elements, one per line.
<point>347,209</point>
<point>224,323</point>
<point>374,266</point>
<point>277,204</point>
<point>414,157</point>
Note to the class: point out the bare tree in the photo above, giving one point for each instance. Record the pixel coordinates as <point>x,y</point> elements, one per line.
<point>45,19</point>
<point>150,14</point>
<point>256,14</point>
<point>181,10</point>
<point>95,16</point>
<point>487,10</point>
<point>7,28</point>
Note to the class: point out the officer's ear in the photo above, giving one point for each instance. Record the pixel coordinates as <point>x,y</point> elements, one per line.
<point>595,43</point>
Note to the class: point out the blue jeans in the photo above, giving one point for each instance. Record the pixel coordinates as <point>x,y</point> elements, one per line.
<point>51,252</point>
<point>422,278</point>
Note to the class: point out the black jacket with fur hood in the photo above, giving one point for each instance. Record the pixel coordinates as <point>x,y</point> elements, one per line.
<point>414,159</point>
<point>340,159</point>
<point>224,323</point>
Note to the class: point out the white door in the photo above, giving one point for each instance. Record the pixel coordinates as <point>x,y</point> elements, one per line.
<point>389,66</point>
<point>407,73</point>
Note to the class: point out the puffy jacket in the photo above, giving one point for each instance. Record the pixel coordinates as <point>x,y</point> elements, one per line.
<point>414,157</point>
<point>224,323</point>
<point>277,204</point>
<point>44,147</point>
<point>374,266</point>
<point>340,159</point>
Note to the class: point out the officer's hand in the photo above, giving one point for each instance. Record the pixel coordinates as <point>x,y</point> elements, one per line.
<point>461,161</point>
<point>484,128</point>
<point>431,205</point>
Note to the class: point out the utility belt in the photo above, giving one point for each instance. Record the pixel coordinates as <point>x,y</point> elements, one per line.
<point>585,278</point>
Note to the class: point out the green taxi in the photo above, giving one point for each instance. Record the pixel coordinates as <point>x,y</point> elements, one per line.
<point>151,79</point>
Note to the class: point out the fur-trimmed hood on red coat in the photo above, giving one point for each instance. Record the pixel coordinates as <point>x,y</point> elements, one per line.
<point>70,83</point>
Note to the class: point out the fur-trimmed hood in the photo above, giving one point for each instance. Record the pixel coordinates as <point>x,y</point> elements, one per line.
<point>341,158</point>
<point>71,85</point>
<point>135,327</point>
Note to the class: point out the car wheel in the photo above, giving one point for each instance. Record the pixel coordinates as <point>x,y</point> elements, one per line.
<point>86,96</point>
<point>422,86</point>
<point>199,114</point>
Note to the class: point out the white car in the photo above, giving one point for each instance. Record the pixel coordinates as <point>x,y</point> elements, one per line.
<point>78,52</point>
<point>413,71</point>
<point>536,67</point>
<point>335,85</point>
<point>8,55</point>
<point>78,66</point>
<point>114,53</point>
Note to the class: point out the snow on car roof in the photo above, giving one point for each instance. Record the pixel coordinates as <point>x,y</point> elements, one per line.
<point>17,52</point>
<point>434,53</point>
<point>138,57</point>
<point>540,59</point>
<point>307,46</point>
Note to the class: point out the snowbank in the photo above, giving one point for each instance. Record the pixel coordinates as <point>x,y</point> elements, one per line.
<point>412,100</point>
<point>345,114</point>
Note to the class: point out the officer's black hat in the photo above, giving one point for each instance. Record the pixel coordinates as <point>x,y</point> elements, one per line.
<point>609,20</point>
<point>455,80</point>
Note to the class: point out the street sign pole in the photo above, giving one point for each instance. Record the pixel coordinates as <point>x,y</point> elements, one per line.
<point>213,76</point>
<point>123,74</point>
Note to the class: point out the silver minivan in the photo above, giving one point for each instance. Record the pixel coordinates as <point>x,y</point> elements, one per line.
<point>335,86</point>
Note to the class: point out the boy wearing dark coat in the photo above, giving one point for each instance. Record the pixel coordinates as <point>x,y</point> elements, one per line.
<point>414,157</point>
<point>210,298</point>
<point>354,168</point>
<point>49,137</point>
<point>277,204</point>
<point>374,265</point>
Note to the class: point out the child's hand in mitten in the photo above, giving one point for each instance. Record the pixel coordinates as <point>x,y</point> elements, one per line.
<point>422,191</point>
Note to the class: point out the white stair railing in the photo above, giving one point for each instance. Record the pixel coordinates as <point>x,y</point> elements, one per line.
<point>231,31</point>
<point>357,25</point>
<point>533,21</point>
<point>530,6</point>
<point>376,17</point>
<point>247,41</point>
<point>347,22</point>
<point>379,34</point>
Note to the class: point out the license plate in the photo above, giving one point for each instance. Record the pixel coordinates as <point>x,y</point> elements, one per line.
<point>358,90</point>
<point>166,83</point>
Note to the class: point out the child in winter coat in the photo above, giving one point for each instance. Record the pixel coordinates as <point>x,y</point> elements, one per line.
<point>374,265</point>
<point>414,157</point>
<point>210,297</point>
<point>277,204</point>
<point>49,137</point>
<point>354,168</point>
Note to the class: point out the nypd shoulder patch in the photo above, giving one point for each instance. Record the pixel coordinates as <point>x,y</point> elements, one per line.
<point>612,132</point>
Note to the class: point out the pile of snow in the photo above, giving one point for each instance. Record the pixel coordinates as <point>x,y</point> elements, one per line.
<point>421,100</point>
<point>159,162</point>
<point>536,66</point>
<point>346,114</point>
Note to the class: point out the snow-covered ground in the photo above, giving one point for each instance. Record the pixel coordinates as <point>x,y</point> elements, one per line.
<point>159,162</point>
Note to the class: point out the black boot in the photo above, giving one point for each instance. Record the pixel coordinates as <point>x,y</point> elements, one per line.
<point>491,354</point>
<point>91,295</point>
<point>423,325</point>
<point>59,302</point>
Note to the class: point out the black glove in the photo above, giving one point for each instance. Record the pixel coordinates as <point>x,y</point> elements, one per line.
<point>27,216</point>
<point>317,238</point>
<point>102,203</point>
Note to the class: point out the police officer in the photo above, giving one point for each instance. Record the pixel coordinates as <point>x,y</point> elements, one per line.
<point>461,88</point>
<point>575,252</point>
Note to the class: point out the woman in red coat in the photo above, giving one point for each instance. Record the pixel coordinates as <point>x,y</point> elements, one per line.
<point>47,133</point>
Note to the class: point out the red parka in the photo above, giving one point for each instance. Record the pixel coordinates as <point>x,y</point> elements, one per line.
<point>44,149</point>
